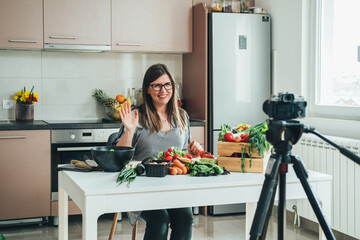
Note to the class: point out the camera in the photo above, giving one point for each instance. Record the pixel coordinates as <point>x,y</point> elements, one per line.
<point>285,106</point>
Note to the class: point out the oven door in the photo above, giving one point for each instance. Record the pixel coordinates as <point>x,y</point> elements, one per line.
<point>63,154</point>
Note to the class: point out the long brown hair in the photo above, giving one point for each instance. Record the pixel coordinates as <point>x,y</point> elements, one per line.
<point>148,115</point>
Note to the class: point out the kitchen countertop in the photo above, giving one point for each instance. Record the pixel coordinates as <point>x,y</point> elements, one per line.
<point>40,124</point>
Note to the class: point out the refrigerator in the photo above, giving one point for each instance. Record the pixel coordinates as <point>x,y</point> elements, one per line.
<point>239,75</point>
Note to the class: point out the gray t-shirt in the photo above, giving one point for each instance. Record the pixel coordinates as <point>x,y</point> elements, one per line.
<point>149,144</point>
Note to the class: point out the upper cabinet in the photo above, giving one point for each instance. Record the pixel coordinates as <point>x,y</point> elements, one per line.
<point>152,26</point>
<point>21,24</point>
<point>77,22</point>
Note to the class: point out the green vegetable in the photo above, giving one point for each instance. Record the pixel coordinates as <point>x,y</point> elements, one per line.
<point>209,160</point>
<point>127,174</point>
<point>225,128</point>
<point>148,159</point>
<point>199,168</point>
<point>112,150</point>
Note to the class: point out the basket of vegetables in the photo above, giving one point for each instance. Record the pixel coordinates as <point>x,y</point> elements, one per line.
<point>244,148</point>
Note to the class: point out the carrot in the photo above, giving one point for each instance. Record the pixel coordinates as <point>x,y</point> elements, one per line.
<point>173,171</point>
<point>179,171</point>
<point>178,164</point>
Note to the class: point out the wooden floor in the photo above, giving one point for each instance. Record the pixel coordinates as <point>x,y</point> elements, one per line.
<point>224,227</point>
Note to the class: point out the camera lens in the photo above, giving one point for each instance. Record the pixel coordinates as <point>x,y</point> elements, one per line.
<point>287,97</point>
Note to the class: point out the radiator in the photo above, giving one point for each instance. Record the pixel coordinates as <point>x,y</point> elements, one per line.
<point>319,156</point>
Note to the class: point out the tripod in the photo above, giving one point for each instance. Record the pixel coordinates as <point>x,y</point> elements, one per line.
<point>282,135</point>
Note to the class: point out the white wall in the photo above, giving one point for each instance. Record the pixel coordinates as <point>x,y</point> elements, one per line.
<point>65,80</point>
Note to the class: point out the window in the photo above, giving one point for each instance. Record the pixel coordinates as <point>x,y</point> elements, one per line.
<point>335,89</point>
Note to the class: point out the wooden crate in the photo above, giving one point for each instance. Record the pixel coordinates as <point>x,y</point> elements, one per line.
<point>234,164</point>
<point>226,149</point>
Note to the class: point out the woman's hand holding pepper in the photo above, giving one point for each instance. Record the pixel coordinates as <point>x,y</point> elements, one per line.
<point>194,149</point>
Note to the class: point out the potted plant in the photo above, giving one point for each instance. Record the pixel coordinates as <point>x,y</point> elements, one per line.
<point>25,99</point>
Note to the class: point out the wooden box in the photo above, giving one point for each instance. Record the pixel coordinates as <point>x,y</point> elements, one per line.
<point>234,164</point>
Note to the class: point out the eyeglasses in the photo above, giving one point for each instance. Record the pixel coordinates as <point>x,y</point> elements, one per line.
<point>157,87</point>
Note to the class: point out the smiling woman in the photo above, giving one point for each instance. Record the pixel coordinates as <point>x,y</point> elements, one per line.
<point>155,125</point>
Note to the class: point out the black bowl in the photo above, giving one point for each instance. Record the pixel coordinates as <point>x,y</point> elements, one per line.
<point>112,159</point>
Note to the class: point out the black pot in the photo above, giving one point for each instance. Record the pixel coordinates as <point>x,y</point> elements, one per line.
<point>112,159</point>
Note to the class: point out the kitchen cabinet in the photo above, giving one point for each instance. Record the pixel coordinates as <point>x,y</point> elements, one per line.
<point>24,174</point>
<point>21,24</point>
<point>152,26</point>
<point>77,22</point>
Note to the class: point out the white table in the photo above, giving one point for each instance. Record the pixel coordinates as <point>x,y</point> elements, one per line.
<point>97,193</point>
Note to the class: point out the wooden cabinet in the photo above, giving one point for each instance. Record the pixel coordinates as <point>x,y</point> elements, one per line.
<point>198,135</point>
<point>152,26</point>
<point>24,174</point>
<point>77,22</point>
<point>21,24</point>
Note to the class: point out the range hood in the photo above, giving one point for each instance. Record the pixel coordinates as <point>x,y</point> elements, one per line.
<point>76,47</point>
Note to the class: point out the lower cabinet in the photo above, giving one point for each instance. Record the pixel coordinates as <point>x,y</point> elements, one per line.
<point>24,174</point>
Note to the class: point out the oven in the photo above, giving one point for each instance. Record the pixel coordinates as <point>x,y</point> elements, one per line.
<point>69,144</point>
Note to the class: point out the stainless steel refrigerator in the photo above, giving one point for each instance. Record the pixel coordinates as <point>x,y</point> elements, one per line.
<point>239,72</point>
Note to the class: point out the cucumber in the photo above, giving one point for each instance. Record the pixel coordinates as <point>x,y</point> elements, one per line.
<point>148,159</point>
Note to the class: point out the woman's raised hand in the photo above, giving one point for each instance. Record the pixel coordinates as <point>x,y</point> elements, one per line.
<point>129,120</point>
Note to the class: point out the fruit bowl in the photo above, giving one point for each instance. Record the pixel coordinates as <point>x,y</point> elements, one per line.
<point>112,159</point>
<point>112,113</point>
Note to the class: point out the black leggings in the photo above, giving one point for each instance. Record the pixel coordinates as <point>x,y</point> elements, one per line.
<point>157,224</point>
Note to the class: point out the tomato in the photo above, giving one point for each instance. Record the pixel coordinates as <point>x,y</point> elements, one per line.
<point>170,150</point>
<point>168,158</point>
<point>188,156</point>
<point>229,137</point>
<point>202,153</point>
<point>207,155</point>
<point>167,154</point>
<point>176,156</point>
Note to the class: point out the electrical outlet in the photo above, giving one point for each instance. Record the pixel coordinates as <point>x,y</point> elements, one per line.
<point>8,104</point>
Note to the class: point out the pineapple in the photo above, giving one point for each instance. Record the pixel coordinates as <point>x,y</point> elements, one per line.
<point>100,96</point>
<point>110,102</point>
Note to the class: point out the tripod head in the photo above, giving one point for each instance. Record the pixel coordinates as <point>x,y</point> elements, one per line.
<point>290,130</point>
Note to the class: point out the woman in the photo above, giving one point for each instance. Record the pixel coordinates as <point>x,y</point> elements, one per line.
<point>155,126</point>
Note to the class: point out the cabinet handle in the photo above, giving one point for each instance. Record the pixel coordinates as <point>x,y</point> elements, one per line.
<point>61,37</point>
<point>12,137</point>
<point>128,44</point>
<point>22,41</point>
<point>69,149</point>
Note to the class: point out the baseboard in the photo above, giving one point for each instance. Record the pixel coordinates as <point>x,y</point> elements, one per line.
<point>310,225</point>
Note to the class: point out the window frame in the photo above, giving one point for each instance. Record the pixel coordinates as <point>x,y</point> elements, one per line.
<point>314,108</point>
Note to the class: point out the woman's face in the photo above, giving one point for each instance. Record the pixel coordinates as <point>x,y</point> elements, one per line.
<point>161,90</point>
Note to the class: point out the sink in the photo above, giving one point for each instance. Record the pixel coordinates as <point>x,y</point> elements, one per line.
<point>5,122</point>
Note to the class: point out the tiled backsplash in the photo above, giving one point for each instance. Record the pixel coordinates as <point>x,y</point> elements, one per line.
<point>65,80</point>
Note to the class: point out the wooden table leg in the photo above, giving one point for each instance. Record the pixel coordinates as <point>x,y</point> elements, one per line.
<point>134,231</point>
<point>111,235</point>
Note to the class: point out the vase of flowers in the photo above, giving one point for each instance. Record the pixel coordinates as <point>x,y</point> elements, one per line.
<point>24,110</point>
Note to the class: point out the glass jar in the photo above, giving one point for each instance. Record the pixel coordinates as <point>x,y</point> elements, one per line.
<point>227,7</point>
<point>244,6</point>
<point>216,5</point>
<point>236,6</point>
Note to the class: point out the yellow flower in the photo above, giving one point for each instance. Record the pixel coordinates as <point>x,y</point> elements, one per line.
<point>16,97</point>
<point>18,93</point>
<point>36,95</point>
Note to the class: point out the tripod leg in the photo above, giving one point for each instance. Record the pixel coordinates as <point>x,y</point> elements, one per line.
<point>302,175</point>
<point>282,198</point>
<point>266,200</point>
